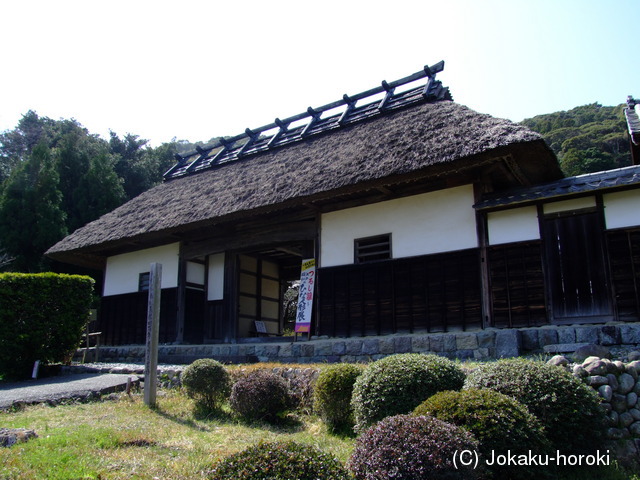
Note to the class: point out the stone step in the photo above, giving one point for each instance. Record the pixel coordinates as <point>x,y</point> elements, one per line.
<point>563,347</point>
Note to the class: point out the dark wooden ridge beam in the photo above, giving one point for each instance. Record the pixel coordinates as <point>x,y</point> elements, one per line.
<point>313,113</point>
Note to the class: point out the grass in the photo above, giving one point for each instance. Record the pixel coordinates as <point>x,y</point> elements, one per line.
<point>120,438</point>
<point>123,439</point>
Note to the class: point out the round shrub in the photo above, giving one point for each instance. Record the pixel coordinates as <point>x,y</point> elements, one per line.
<point>406,447</point>
<point>280,461</point>
<point>261,395</point>
<point>207,382</point>
<point>568,409</point>
<point>497,421</point>
<point>332,395</point>
<point>399,383</point>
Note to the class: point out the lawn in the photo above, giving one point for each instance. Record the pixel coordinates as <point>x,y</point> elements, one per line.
<point>120,438</point>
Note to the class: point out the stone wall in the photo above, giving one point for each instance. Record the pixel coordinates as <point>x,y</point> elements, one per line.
<point>475,345</point>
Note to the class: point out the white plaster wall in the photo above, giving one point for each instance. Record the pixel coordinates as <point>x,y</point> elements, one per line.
<point>432,222</point>
<point>622,209</point>
<point>195,273</point>
<point>573,204</point>
<point>215,289</point>
<point>515,225</point>
<point>123,270</point>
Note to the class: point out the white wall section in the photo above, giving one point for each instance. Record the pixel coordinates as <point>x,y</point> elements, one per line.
<point>515,225</point>
<point>122,272</point>
<point>215,289</point>
<point>572,204</point>
<point>433,222</point>
<point>622,209</point>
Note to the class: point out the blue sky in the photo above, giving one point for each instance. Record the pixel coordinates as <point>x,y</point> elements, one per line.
<point>194,69</point>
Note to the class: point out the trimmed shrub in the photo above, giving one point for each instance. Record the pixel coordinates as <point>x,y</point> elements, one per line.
<point>207,382</point>
<point>280,461</point>
<point>497,421</point>
<point>407,447</point>
<point>261,395</point>
<point>333,392</point>
<point>568,409</point>
<point>399,383</point>
<point>42,317</point>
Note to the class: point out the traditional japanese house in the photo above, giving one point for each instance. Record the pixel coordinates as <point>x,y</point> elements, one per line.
<point>422,215</point>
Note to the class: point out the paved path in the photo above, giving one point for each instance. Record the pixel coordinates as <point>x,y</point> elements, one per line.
<point>56,389</point>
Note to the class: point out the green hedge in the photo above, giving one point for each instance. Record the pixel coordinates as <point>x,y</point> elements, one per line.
<point>42,317</point>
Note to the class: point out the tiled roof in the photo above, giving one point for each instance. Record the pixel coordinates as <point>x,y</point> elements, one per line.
<point>589,182</point>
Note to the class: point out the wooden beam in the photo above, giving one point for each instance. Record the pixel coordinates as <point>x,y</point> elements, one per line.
<point>255,238</point>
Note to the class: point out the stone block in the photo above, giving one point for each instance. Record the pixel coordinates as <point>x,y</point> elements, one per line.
<point>354,347</point>
<point>370,347</point>
<point>629,334</point>
<point>323,349</point>
<point>437,343</point>
<point>567,335</point>
<point>449,342</point>
<point>402,344</point>
<point>387,345</point>
<point>285,350</point>
<point>420,344</point>
<point>547,336</point>
<point>481,354</point>
<point>466,341</point>
<point>609,335</point>
<point>587,335</point>
<point>338,348</point>
<point>486,338</point>
<point>529,339</point>
<point>508,343</point>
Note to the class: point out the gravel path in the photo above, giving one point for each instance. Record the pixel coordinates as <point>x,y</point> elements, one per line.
<point>66,387</point>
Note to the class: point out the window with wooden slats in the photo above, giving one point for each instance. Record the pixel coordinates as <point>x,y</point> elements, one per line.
<point>372,249</point>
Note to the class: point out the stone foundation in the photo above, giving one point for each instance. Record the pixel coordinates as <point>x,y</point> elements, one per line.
<point>474,345</point>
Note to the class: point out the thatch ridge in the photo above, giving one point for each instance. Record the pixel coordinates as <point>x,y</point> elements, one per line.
<point>406,141</point>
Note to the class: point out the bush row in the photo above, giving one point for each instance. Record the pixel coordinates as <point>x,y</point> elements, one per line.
<point>42,317</point>
<point>429,403</point>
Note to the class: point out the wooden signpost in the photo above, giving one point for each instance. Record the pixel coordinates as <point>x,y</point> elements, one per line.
<point>153,330</point>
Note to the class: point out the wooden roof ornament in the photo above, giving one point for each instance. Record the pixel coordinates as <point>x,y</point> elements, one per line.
<point>356,108</point>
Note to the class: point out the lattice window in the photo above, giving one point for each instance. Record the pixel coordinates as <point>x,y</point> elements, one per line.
<point>372,249</point>
<point>143,282</point>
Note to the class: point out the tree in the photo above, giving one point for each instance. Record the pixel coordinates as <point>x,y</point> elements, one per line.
<point>587,138</point>
<point>16,145</point>
<point>31,216</point>
<point>89,184</point>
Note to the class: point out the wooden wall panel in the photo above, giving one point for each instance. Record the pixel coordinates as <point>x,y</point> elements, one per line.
<point>428,293</point>
<point>624,259</point>
<point>517,285</point>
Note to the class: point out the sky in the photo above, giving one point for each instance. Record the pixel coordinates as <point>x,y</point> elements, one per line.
<point>194,70</point>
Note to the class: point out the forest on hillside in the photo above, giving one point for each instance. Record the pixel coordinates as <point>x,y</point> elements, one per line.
<point>586,139</point>
<point>56,176</point>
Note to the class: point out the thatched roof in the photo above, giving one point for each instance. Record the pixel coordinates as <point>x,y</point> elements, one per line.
<point>430,137</point>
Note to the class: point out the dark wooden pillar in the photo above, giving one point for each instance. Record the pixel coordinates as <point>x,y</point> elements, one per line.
<point>181,299</point>
<point>229,323</point>
<point>482,231</point>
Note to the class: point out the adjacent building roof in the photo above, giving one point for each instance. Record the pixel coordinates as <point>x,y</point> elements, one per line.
<point>422,136</point>
<point>567,187</point>
<point>633,119</point>
<point>632,113</point>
